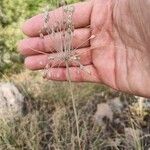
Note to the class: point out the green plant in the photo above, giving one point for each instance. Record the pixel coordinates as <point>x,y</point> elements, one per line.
<point>12,15</point>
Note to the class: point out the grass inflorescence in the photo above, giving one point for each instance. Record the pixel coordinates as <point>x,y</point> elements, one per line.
<point>65,52</point>
<point>64,49</point>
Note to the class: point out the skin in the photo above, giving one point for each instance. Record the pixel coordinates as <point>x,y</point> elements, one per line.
<point>103,55</point>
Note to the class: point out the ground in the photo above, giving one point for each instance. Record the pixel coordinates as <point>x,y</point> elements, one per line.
<point>107,119</point>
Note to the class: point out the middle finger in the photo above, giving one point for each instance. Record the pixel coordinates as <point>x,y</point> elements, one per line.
<point>36,45</point>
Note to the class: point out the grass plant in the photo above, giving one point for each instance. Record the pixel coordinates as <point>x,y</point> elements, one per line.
<point>65,52</point>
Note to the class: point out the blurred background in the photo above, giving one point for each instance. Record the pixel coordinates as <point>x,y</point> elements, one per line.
<point>38,115</point>
<point>12,15</point>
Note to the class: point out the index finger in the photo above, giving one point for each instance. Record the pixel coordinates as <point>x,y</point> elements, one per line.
<point>81,18</point>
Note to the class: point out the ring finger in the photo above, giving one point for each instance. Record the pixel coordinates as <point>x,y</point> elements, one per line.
<point>79,57</point>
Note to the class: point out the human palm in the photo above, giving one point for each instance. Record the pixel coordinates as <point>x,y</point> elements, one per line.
<point>103,54</point>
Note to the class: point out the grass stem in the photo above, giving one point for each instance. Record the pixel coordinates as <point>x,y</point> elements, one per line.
<point>74,104</point>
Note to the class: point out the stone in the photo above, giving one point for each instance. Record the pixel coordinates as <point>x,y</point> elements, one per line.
<point>116,105</point>
<point>132,137</point>
<point>103,114</point>
<point>11,101</point>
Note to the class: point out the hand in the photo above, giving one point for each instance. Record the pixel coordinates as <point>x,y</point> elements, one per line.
<point>107,58</point>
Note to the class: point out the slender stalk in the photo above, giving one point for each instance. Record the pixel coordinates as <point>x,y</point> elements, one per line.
<point>74,104</point>
<point>66,38</point>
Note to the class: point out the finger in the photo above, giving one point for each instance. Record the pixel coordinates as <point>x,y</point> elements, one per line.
<point>81,18</point>
<point>40,61</point>
<point>101,26</point>
<point>49,44</point>
<point>87,74</point>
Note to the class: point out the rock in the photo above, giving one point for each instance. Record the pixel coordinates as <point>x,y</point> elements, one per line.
<point>114,143</point>
<point>103,114</point>
<point>116,105</point>
<point>132,137</point>
<point>143,103</point>
<point>141,106</point>
<point>11,101</point>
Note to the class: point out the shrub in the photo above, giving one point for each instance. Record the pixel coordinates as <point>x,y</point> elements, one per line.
<point>12,15</point>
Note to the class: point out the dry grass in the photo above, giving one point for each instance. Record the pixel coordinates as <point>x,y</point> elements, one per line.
<point>65,53</point>
<point>48,121</point>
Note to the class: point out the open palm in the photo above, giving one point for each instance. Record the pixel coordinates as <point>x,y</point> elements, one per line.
<point>103,55</point>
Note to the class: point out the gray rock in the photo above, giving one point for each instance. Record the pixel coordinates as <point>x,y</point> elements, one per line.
<point>116,105</point>
<point>11,101</point>
<point>132,137</point>
<point>103,113</point>
<point>144,103</point>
